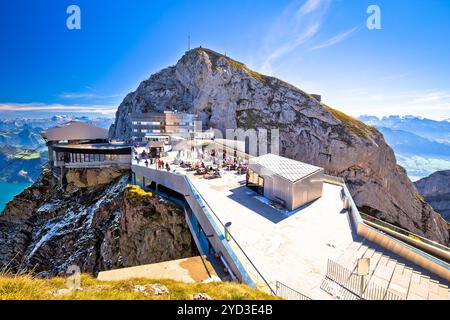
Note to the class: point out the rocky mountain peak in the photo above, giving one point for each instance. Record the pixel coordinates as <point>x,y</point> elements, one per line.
<point>436,191</point>
<point>226,94</point>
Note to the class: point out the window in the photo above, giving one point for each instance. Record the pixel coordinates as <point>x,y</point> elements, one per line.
<point>110,157</point>
<point>254,181</point>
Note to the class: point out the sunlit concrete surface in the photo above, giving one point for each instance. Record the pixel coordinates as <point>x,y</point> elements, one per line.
<point>290,247</point>
<point>194,269</point>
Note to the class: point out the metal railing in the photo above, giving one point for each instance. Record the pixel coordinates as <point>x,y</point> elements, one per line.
<point>247,264</point>
<point>288,293</point>
<point>352,206</point>
<point>359,286</point>
<point>333,180</point>
<point>376,221</point>
<point>358,220</point>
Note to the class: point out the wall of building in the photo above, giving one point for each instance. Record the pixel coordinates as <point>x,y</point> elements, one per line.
<point>162,123</point>
<point>274,185</point>
<point>293,194</point>
<point>307,189</point>
<point>278,188</point>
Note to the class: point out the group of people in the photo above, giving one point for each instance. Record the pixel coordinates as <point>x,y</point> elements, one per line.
<point>231,163</point>
<point>149,160</point>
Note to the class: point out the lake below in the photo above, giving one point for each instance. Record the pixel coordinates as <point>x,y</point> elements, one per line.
<point>9,190</point>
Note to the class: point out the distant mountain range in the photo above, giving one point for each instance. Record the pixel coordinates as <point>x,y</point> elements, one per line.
<point>422,146</point>
<point>427,128</point>
<point>22,150</point>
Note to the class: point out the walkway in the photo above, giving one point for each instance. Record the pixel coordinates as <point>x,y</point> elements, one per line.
<point>194,269</point>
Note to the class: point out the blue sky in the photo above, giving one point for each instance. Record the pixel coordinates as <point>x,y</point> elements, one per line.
<point>321,46</point>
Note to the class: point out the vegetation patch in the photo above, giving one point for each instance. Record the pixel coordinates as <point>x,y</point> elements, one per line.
<point>27,287</point>
<point>419,197</point>
<point>27,154</point>
<point>137,192</point>
<point>249,119</point>
<point>354,125</point>
<point>250,72</point>
<point>236,64</point>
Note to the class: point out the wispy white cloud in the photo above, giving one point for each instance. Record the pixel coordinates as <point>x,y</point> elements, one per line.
<point>76,95</point>
<point>87,95</point>
<point>290,46</point>
<point>335,40</point>
<point>295,26</point>
<point>432,103</point>
<point>32,107</point>
<point>309,6</point>
<point>440,97</point>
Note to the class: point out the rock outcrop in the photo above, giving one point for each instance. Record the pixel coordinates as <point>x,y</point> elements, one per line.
<point>83,178</point>
<point>225,94</point>
<point>436,191</point>
<point>47,228</point>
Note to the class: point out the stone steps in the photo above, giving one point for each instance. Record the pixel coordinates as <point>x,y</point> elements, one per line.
<point>390,277</point>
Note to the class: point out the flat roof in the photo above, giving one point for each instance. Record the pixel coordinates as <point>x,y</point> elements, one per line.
<point>289,169</point>
<point>93,148</point>
<point>75,130</point>
<point>158,115</point>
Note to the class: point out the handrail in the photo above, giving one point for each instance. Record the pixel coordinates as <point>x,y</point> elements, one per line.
<point>358,220</point>
<point>288,293</point>
<point>361,287</point>
<point>231,236</point>
<point>365,216</point>
<point>405,232</point>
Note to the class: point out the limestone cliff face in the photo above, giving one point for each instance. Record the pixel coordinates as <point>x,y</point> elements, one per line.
<point>436,191</point>
<point>47,228</point>
<point>227,95</point>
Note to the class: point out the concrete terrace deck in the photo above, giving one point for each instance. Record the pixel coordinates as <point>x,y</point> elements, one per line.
<point>293,248</point>
<point>290,247</point>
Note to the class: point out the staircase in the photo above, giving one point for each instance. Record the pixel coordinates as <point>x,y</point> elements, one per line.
<point>388,278</point>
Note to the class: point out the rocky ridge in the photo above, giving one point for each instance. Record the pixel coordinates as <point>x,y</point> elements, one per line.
<point>48,228</point>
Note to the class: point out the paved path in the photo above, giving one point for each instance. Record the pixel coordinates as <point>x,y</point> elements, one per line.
<point>187,270</point>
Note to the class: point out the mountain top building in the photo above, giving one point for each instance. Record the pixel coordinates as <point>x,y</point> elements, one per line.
<point>145,126</point>
<point>81,145</point>
<point>288,182</point>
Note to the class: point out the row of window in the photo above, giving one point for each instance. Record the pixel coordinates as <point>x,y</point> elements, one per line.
<point>80,157</point>
<point>148,123</point>
<point>253,179</point>
<point>156,139</point>
<point>180,130</point>
<point>161,123</point>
